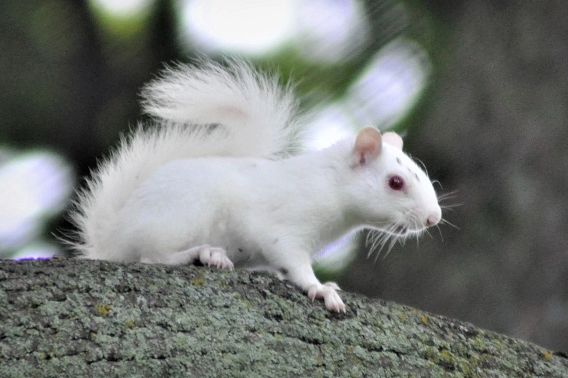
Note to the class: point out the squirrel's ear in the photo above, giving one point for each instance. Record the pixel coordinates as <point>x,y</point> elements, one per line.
<point>393,139</point>
<point>368,146</point>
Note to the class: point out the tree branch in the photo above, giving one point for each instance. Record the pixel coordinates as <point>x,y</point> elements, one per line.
<point>77,317</point>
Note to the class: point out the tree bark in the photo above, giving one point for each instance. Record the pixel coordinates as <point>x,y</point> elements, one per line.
<point>70,317</point>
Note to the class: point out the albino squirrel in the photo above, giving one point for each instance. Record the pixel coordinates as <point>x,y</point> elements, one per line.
<point>213,181</point>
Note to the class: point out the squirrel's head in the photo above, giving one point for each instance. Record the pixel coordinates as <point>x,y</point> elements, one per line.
<point>397,194</point>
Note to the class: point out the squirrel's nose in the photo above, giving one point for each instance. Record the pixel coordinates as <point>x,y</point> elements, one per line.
<point>433,219</point>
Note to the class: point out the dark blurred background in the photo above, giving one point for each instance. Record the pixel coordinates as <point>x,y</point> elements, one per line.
<point>479,88</point>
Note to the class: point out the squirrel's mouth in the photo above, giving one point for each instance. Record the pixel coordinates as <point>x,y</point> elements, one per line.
<point>404,231</point>
<point>399,230</point>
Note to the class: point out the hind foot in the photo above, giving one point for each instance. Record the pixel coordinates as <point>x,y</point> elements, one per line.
<point>214,257</point>
<point>205,254</point>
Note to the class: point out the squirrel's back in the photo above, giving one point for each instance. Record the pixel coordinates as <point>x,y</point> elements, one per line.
<point>201,110</point>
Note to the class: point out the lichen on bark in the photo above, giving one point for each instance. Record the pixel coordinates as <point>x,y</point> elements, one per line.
<point>70,317</point>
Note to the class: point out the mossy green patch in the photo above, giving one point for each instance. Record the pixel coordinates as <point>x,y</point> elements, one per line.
<point>198,281</point>
<point>103,310</point>
<point>547,356</point>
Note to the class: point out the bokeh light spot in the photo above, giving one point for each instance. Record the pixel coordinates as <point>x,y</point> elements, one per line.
<point>243,26</point>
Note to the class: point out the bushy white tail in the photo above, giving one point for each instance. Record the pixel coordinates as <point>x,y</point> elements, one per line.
<point>199,111</point>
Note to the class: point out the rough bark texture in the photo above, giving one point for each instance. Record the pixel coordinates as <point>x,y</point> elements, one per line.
<point>68,317</point>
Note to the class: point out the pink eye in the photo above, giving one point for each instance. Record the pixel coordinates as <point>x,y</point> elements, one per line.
<point>396,182</point>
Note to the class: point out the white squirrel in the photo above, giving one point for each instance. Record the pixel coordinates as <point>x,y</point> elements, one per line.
<point>213,181</point>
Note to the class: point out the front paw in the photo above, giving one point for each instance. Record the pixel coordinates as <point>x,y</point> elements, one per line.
<point>328,292</point>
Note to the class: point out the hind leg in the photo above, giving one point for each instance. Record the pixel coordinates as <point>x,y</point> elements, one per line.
<point>205,254</point>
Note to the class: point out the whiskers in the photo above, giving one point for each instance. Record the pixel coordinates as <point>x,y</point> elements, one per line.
<point>447,207</point>
<point>376,241</point>
<point>449,196</point>
<point>383,238</point>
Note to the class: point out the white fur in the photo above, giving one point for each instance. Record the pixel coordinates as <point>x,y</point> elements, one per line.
<point>258,119</point>
<point>179,194</point>
<point>251,105</point>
